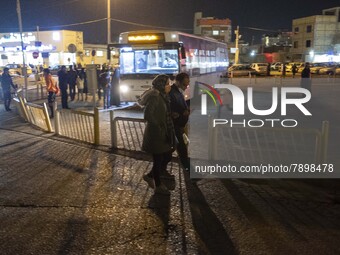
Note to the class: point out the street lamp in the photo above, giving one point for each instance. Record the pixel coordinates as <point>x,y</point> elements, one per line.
<point>108,21</point>
<point>24,68</point>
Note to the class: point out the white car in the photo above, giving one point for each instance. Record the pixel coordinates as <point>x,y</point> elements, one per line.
<point>260,68</point>
<point>275,66</point>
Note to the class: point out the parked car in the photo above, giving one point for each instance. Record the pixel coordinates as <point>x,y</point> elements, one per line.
<point>240,70</point>
<point>301,66</point>
<point>275,66</point>
<point>260,68</point>
<point>329,70</point>
<point>337,70</point>
<point>17,69</point>
<point>315,67</point>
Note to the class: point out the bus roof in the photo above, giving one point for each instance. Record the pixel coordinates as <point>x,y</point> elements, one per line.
<point>167,34</point>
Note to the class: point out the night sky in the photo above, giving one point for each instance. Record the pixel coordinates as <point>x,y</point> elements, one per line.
<point>175,14</point>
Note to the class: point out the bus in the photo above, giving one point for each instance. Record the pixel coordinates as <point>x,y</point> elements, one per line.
<point>145,54</point>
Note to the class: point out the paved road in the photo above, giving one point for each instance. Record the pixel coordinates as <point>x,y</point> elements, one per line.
<point>62,197</point>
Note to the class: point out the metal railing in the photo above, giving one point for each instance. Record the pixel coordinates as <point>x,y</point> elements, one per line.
<point>268,145</point>
<point>127,133</point>
<point>34,113</point>
<point>79,125</point>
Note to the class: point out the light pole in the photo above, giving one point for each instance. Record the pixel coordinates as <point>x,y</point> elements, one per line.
<point>109,28</point>
<point>236,45</point>
<point>24,69</point>
<point>108,21</point>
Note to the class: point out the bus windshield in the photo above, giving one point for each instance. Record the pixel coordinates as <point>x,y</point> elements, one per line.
<point>149,61</point>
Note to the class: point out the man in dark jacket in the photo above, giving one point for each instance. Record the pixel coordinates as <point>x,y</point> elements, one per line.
<point>72,81</point>
<point>180,115</point>
<point>6,83</point>
<point>63,80</point>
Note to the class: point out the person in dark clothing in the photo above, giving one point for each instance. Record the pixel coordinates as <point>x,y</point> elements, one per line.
<point>159,136</point>
<point>115,90</point>
<point>63,81</point>
<point>306,81</point>
<point>105,84</point>
<point>72,81</point>
<point>100,83</point>
<point>180,115</point>
<point>6,84</point>
<point>284,70</point>
<point>294,70</point>
<point>82,75</point>
<point>268,69</point>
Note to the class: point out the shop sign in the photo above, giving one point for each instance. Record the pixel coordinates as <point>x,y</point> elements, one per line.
<point>15,37</point>
<point>35,54</point>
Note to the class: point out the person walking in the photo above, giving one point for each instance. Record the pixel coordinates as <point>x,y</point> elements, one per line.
<point>159,136</point>
<point>180,115</point>
<point>63,81</point>
<point>82,75</point>
<point>6,84</point>
<point>306,80</point>
<point>72,81</point>
<point>105,84</point>
<point>284,70</point>
<point>80,88</point>
<point>115,91</point>
<point>52,90</point>
<point>294,70</point>
<point>268,69</point>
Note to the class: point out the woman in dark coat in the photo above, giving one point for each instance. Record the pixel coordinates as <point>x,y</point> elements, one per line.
<point>159,136</point>
<point>306,81</point>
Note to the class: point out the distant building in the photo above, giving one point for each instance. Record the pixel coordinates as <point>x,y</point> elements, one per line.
<point>219,29</point>
<point>317,38</point>
<point>282,39</point>
<point>41,47</point>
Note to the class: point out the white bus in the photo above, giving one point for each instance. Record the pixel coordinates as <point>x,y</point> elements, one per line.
<point>145,54</point>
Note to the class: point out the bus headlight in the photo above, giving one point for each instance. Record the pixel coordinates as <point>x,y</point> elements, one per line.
<point>124,88</point>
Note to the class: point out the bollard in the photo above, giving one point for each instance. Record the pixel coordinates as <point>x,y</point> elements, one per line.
<point>56,118</point>
<point>41,91</point>
<point>324,141</point>
<point>47,119</point>
<point>96,126</point>
<point>113,130</point>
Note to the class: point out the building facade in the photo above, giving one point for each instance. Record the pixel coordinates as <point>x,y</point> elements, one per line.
<point>41,47</point>
<point>219,29</point>
<point>97,54</point>
<point>317,38</point>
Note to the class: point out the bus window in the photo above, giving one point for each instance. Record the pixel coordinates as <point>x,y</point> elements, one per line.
<point>150,61</point>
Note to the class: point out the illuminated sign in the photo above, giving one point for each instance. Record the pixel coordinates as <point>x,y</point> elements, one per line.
<point>146,38</point>
<point>13,37</point>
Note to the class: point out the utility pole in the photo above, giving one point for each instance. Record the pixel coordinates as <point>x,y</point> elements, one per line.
<point>109,27</point>
<point>24,69</point>
<point>236,45</point>
<point>108,21</point>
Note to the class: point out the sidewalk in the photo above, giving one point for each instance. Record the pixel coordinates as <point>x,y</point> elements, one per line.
<point>58,196</point>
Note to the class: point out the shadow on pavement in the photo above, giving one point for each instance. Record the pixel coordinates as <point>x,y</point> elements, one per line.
<point>207,225</point>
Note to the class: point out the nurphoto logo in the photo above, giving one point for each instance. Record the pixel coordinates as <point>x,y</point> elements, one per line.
<point>303,96</point>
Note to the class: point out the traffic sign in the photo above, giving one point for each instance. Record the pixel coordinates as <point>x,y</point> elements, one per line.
<point>35,54</point>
